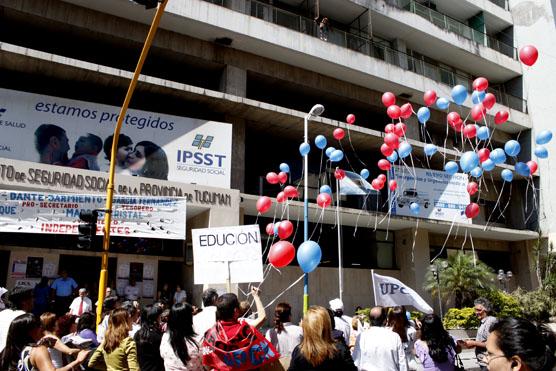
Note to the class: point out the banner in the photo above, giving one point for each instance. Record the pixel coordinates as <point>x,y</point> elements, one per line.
<point>226,253</point>
<point>51,213</point>
<point>389,292</point>
<point>440,196</point>
<point>71,133</point>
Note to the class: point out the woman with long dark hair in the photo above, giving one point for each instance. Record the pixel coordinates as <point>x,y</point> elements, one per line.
<point>285,336</point>
<point>26,349</point>
<point>117,351</point>
<point>86,328</point>
<point>178,347</point>
<point>398,322</point>
<point>436,349</point>
<point>148,339</point>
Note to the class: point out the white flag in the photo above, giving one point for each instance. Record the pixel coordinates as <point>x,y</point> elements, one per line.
<point>390,292</point>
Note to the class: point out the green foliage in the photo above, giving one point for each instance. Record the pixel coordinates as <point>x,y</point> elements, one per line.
<point>463,318</point>
<point>503,305</point>
<point>538,305</point>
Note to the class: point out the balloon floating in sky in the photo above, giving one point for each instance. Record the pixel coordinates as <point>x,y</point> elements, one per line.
<point>263,204</point>
<point>350,119</point>
<point>339,174</point>
<point>284,167</point>
<point>364,173</point>
<point>325,189</point>
<point>472,210</point>
<point>528,54</point>
<point>472,188</point>
<point>480,84</point>
<point>498,156</point>
<point>501,117</point>
<point>468,161</point>
<point>423,115</point>
<point>320,141</point>
<point>484,154</point>
<point>488,165</point>
<point>393,157</point>
<point>337,155</point>
<point>451,167</point>
<point>533,166</point>
<point>429,97</point>
<point>442,103</point>
<point>415,208</point>
<point>394,112</point>
<point>339,133</point>
<point>459,94</point>
<point>507,175</point>
<point>430,149</point>
<point>308,256</point>
<point>512,148</point>
<point>489,100</point>
<point>324,200</point>
<point>272,178</point>
<point>541,152</point>
<point>329,151</point>
<point>543,137</point>
<point>283,177</point>
<point>483,133</point>
<point>304,149</point>
<point>476,172</point>
<point>285,229</point>
<point>522,169</point>
<point>388,99</point>
<point>478,96</point>
<point>281,254</point>
<point>406,110</point>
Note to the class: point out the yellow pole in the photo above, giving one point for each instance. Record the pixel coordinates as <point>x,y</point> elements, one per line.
<point>110,189</point>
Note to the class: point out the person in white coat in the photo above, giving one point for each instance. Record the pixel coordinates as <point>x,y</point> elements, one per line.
<point>341,321</point>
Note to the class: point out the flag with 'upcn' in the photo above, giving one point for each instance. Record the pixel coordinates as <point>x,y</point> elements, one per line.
<point>390,292</point>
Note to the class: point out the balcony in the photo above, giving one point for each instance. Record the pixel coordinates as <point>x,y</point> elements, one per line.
<point>366,46</point>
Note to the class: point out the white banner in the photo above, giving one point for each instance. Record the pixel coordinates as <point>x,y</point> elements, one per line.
<point>390,292</point>
<point>51,213</point>
<point>440,196</point>
<point>227,252</point>
<point>78,134</point>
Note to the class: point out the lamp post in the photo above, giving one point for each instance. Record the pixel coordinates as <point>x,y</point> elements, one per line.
<point>436,269</point>
<point>316,111</point>
<point>504,279</point>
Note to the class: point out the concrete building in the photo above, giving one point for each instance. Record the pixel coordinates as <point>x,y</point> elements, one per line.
<point>260,66</point>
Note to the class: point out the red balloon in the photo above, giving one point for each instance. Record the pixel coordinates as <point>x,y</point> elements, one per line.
<point>272,178</point>
<point>532,166</point>
<point>394,112</point>
<point>457,125</point>
<point>429,97</point>
<point>478,112</point>
<point>281,254</point>
<point>377,184</point>
<point>400,129</point>
<point>263,204</point>
<point>281,197</point>
<point>388,99</point>
<point>480,84</point>
<point>339,174</point>
<point>290,191</point>
<point>350,119</point>
<point>470,131</point>
<point>390,128</point>
<point>381,177</point>
<point>407,110</point>
<point>453,117</point>
<point>270,229</point>
<point>283,177</point>
<point>386,150</point>
<point>285,229</point>
<point>472,210</point>
<point>324,200</point>
<point>501,117</point>
<point>484,154</point>
<point>472,188</point>
<point>384,164</point>
<point>528,55</point>
<point>339,133</point>
<point>392,140</point>
<point>489,101</point>
<point>392,185</point>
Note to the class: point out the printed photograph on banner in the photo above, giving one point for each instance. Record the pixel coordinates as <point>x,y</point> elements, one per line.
<point>77,134</point>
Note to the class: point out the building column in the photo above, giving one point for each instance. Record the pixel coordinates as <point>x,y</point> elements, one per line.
<point>401,58</point>
<point>523,265</point>
<point>234,81</point>
<point>238,153</point>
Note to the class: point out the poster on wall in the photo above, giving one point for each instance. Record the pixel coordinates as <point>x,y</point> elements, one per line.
<point>52,213</point>
<point>34,267</point>
<point>224,253</point>
<point>78,134</point>
<point>440,196</point>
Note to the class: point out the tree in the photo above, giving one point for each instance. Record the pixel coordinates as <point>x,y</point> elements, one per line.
<point>463,277</point>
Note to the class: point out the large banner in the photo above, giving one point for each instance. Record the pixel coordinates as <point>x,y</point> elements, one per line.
<point>440,196</point>
<point>227,253</point>
<point>78,134</point>
<point>146,217</point>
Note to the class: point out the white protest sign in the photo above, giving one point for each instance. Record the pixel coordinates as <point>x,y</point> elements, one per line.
<point>390,292</point>
<point>224,253</point>
<point>52,213</point>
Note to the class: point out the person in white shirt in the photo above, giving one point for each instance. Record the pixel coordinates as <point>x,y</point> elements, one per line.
<point>341,321</point>
<point>378,348</point>
<point>206,318</point>
<point>81,304</point>
<point>20,302</point>
<point>131,291</point>
<point>180,296</point>
<point>285,336</point>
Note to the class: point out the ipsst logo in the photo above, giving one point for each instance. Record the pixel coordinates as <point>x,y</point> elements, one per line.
<point>201,143</point>
<point>203,159</point>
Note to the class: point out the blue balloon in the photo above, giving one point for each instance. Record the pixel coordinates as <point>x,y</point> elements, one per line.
<point>476,172</point>
<point>284,167</point>
<point>498,156</point>
<point>337,155</point>
<point>478,96</point>
<point>304,149</point>
<point>468,161</point>
<point>522,169</point>
<point>512,148</point>
<point>541,152</point>
<point>430,149</point>
<point>507,175</point>
<point>459,94</point>
<point>543,137</point>
<point>325,189</point>
<point>415,208</point>
<point>483,133</point>
<point>364,173</point>
<point>308,256</point>
<point>404,149</point>
<point>423,114</point>
<point>276,228</point>
<point>320,141</point>
<point>488,165</point>
<point>329,151</point>
<point>451,167</point>
<point>393,157</point>
<point>442,103</point>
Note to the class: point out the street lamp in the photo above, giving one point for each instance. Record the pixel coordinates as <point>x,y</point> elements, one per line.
<point>316,111</point>
<point>436,269</point>
<point>504,279</point>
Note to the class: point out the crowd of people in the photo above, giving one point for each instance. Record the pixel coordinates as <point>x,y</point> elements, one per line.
<point>225,335</point>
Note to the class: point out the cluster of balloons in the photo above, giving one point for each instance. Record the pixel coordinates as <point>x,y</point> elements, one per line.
<point>264,203</point>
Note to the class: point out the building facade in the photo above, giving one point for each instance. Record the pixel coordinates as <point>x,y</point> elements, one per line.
<point>260,66</point>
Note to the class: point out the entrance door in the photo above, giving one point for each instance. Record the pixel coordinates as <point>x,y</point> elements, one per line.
<point>171,272</point>
<point>4,266</point>
<point>85,270</point>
